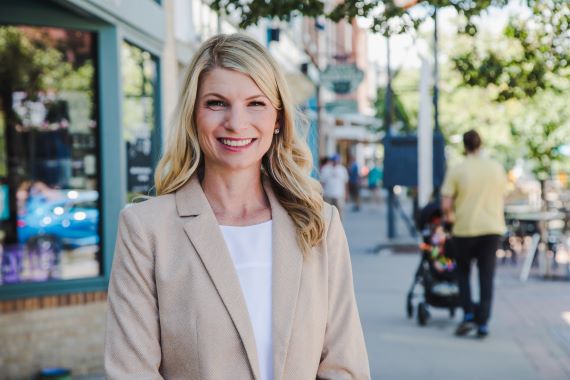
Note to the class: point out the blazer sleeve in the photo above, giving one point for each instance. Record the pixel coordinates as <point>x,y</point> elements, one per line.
<point>344,353</point>
<point>132,340</point>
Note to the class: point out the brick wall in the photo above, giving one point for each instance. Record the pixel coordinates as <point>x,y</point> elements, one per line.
<point>60,331</point>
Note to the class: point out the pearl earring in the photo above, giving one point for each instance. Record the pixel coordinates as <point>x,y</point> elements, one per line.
<point>276,131</point>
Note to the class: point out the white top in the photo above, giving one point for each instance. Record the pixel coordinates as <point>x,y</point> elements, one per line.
<point>250,249</point>
<point>334,179</point>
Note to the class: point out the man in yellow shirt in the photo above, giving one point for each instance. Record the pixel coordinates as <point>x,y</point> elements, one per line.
<point>473,200</point>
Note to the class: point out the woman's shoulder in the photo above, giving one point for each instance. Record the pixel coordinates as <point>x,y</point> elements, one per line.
<point>152,208</point>
<point>329,212</point>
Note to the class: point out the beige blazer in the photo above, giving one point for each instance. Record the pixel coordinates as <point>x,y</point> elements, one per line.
<point>176,309</point>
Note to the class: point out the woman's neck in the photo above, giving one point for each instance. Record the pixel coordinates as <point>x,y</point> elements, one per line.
<point>236,198</point>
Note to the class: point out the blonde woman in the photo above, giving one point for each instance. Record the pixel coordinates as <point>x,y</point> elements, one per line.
<point>237,269</point>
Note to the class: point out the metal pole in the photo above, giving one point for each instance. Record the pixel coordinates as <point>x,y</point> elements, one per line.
<point>435,73</point>
<point>437,131</point>
<point>388,98</point>
<point>388,123</point>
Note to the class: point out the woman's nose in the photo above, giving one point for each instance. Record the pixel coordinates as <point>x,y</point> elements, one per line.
<point>237,118</point>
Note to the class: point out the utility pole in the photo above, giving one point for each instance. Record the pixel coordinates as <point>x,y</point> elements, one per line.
<point>435,73</point>
<point>388,124</point>
<point>437,136</point>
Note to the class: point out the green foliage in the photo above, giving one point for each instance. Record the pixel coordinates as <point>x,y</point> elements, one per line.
<point>139,81</point>
<point>400,117</point>
<point>543,37</point>
<point>529,128</point>
<point>24,67</point>
<point>541,53</point>
<point>251,12</point>
<point>31,66</point>
<point>34,62</point>
<point>388,18</point>
<point>541,130</point>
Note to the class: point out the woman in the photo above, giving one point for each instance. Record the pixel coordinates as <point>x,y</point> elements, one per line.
<point>237,270</point>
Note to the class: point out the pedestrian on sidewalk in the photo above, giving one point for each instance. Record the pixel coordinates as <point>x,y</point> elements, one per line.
<point>324,168</point>
<point>354,183</point>
<point>473,200</point>
<point>375,182</point>
<point>237,269</point>
<point>334,179</point>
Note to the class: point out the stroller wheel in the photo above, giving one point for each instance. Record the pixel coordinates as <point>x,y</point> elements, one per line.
<point>409,307</point>
<point>452,312</point>
<point>423,314</point>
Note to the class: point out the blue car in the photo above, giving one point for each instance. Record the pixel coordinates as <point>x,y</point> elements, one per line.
<point>71,218</point>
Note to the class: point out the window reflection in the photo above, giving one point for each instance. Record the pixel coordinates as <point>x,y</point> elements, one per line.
<point>139,71</point>
<point>49,191</point>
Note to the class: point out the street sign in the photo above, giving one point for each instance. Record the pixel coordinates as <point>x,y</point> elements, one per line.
<point>343,78</point>
<point>341,107</point>
<point>401,160</point>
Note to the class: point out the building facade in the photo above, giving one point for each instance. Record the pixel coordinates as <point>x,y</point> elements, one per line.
<point>87,88</point>
<point>345,112</point>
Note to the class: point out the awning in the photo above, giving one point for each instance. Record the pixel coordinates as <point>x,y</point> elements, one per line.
<point>355,133</point>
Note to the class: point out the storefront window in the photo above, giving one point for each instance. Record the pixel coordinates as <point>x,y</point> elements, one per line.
<point>49,183</point>
<point>139,71</point>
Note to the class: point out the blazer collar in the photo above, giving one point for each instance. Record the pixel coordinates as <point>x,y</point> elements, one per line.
<point>201,226</point>
<point>204,233</point>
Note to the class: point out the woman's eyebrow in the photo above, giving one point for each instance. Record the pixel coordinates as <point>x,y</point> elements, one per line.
<point>256,96</point>
<point>213,94</point>
<point>223,97</point>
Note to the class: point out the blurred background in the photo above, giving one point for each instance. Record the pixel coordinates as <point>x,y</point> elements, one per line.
<point>87,89</point>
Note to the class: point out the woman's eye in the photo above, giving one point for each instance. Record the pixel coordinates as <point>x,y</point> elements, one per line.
<point>257,104</point>
<point>215,103</point>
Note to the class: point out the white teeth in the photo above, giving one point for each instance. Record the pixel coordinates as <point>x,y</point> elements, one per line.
<point>236,142</point>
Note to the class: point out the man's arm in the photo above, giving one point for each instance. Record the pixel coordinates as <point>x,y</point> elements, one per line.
<point>448,193</point>
<point>447,209</point>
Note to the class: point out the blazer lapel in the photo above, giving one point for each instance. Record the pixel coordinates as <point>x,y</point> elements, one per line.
<point>287,268</point>
<point>202,228</point>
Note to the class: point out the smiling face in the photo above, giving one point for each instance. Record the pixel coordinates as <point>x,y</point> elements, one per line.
<point>235,121</point>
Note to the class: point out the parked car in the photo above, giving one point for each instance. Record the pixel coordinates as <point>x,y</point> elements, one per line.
<point>71,219</point>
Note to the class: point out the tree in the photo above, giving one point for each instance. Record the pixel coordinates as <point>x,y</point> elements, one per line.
<point>543,36</point>
<point>538,59</point>
<point>401,119</point>
<point>388,16</point>
<point>530,127</point>
<point>541,131</point>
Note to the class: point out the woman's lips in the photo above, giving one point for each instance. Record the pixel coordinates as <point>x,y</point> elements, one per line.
<point>235,144</point>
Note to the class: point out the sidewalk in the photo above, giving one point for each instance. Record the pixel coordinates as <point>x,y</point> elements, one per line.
<point>530,327</point>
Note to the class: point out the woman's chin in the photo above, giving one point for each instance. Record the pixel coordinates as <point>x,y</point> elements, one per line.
<point>235,166</point>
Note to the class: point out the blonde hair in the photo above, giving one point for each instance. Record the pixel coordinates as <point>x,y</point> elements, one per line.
<point>288,162</point>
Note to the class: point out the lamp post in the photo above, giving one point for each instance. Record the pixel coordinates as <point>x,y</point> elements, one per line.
<point>388,124</point>
<point>388,120</point>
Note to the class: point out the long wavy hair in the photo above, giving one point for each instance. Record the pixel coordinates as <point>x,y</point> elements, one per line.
<point>287,163</point>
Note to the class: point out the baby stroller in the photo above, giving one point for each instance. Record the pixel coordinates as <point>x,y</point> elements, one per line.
<point>435,282</point>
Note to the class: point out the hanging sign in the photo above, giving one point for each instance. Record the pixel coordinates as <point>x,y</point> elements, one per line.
<point>343,78</point>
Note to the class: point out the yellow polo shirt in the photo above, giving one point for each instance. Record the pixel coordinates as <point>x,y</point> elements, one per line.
<point>477,186</point>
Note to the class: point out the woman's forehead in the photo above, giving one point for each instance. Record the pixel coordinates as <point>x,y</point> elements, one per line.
<point>230,82</point>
